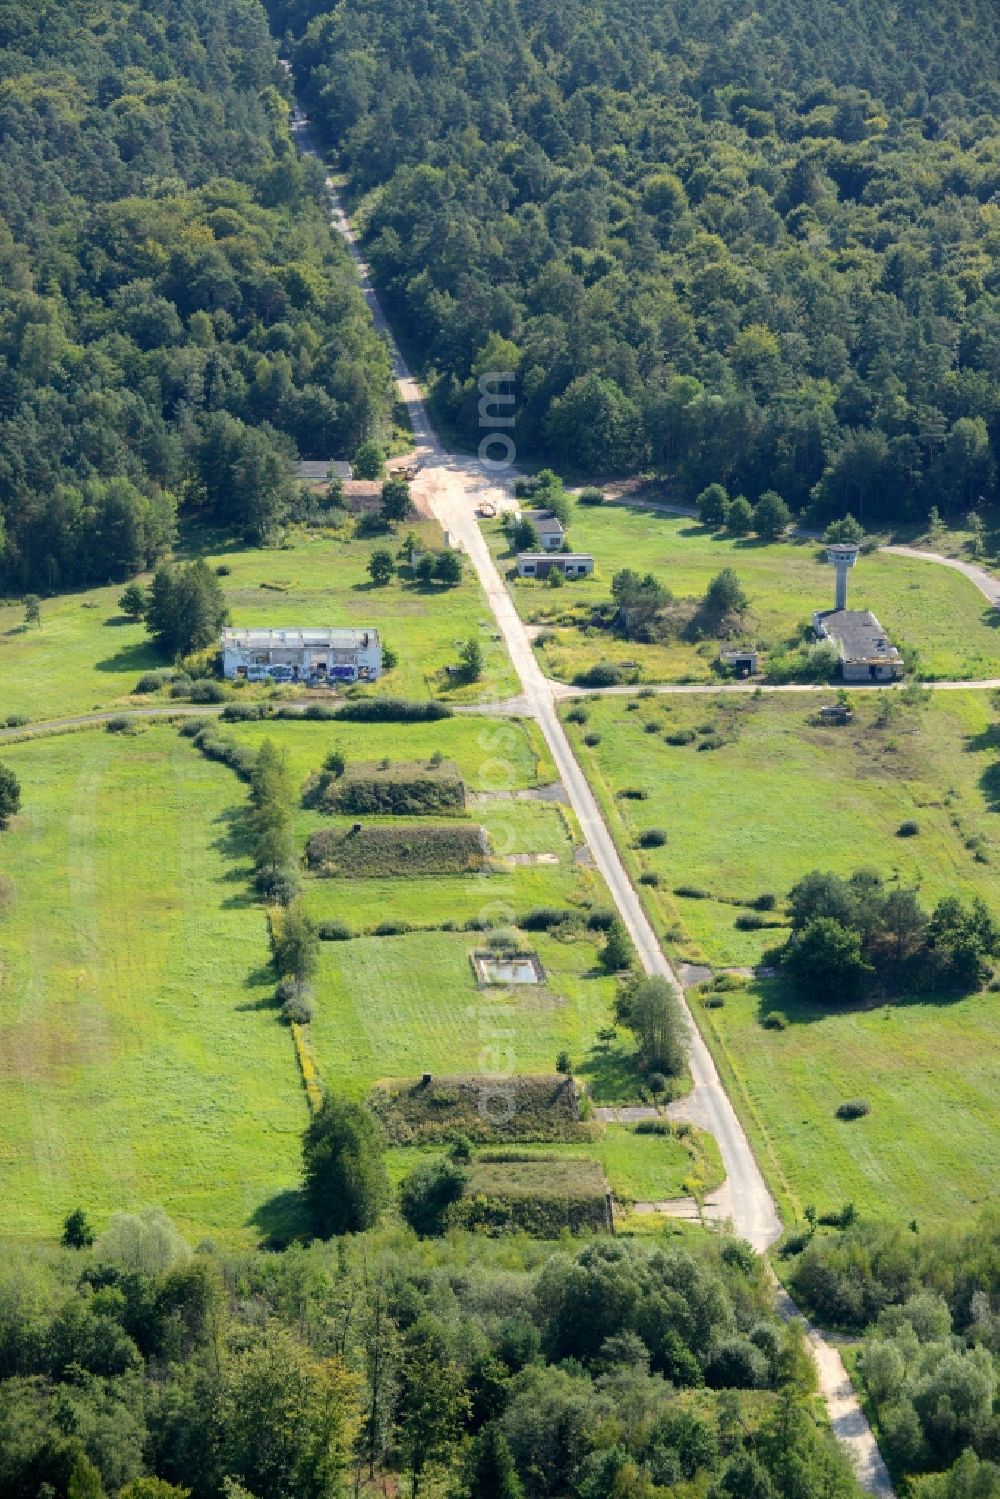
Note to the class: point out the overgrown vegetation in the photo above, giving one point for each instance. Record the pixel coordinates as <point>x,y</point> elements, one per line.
<point>397,789</point>
<point>491,1111</point>
<point>137,1369</point>
<point>398,850</point>
<point>930,1360</point>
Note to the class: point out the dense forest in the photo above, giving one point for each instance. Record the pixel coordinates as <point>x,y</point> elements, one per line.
<point>925,1306</point>
<point>176,320</point>
<point>747,243</point>
<point>471,1368</point>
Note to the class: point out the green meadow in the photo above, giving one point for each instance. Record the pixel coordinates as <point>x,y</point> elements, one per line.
<point>922,605</point>
<point>86,655</point>
<point>781,796</point>
<point>139,1062</point>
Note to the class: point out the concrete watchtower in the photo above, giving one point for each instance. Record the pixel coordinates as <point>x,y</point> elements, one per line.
<point>842,555</point>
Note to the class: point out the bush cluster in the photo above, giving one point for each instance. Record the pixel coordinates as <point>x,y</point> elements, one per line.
<point>850,935</point>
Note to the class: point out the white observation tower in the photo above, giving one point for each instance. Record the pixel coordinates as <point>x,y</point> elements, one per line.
<point>842,555</point>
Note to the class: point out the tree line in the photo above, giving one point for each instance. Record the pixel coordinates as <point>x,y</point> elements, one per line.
<point>749,245</point>
<point>134,1368</point>
<point>177,322</point>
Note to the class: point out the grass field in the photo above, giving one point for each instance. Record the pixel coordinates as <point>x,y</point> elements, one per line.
<point>396,1007</point>
<point>929,1148</point>
<point>137,1065</point>
<point>86,655</point>
<point>783,796</point>
<point>930,608</point>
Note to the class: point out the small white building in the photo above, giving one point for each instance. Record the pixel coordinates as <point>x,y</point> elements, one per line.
<point>302,655</point>
<point>540,564</point>
<point>548,528</point>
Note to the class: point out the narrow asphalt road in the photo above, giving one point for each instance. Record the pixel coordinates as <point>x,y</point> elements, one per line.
<point>452,487</point>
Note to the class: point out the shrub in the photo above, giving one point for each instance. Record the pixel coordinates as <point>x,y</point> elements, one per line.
<point>775,1020</point>
<point>714,1001</point>
<point>795,1243</point>
<point>600,918</point>
<point>765,902</point>
<point>392,710</point>
<point>205,690</point>
<point>691,892</point>
<point>652,838</point>
<point>426,1195</point>
<point>649,877</point>
<point>152,681</point>
<point>77,1232</point>
<point>651,727</point>
<point>908,829</point>
<point>180,685</point>
<point>853,1108</point>
<point>16,720</point>
<point>243,712</point>
<point>223,570</point>
<point>602,674</point>
<point>577,715</point>
<point>298,1008</point>
<point>711,742</point>
<point>749,921</point>
<point>542,918</point>
<point>726,982</point>
<point>564,1064</point>
<point>192,727</point>
<point>120,724</point>
<point>592,740</point>
<point>393,928</point>
<point>739,1255</point>
<point>656,1083</point>
<point>681,736</point>
<point>288,988</point>
<point>591,496</point>
<point>320,712</point>
<point>334,931</point>
<point>634,794</point>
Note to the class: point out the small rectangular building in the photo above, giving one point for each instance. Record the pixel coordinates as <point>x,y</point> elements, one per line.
<point>866,653</point>
<point>539,565</point>
<point>741,661</point>
<point>302,655</point>
<point>548,528</point>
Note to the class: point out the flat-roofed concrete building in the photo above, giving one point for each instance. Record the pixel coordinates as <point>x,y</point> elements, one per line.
<point>298,654</point>
<point>866,653</point>
<point>540,564</point>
